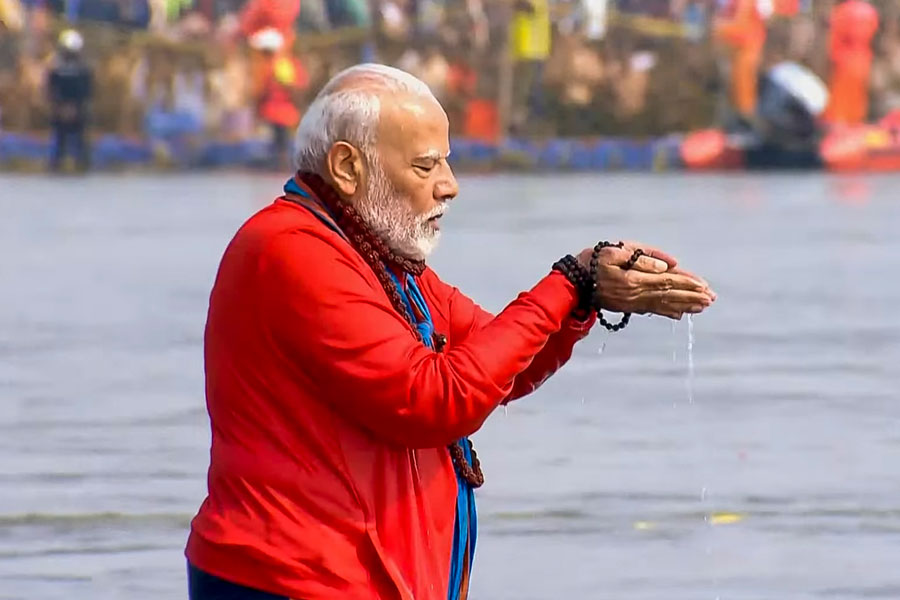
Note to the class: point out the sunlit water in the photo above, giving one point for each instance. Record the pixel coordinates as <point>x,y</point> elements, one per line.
<point>779,481</point>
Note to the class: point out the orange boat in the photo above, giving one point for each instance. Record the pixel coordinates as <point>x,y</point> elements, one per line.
<point>872,147</point>
<point>864,147</point>
<point>789,130</point>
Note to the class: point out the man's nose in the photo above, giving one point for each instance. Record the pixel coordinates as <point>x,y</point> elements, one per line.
<point>447,188</point>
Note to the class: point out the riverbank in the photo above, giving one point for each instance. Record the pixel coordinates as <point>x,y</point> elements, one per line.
<point>31,153</point>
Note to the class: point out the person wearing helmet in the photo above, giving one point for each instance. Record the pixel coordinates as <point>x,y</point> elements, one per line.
<point>791,102</point>
<point>70,86</point>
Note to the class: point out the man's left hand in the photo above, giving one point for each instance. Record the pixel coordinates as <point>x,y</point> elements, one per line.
<point>662,257</point>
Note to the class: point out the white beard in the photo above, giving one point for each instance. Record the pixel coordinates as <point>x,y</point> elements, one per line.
<point>390,216</point>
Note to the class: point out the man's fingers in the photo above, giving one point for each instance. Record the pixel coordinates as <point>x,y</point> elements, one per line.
<point>650,265</point>
<point>679,310</point>
<point>683,299</point>
<point>666,281</point>
<point>647,263</point>
<point>680,271</point>
<point>675,296</point>
<point>676,314</point>
<point>619,257</point>
<point>670,260</point>
<point>615,256</point>
<point>670,313</point>
<point>675,281</point>
<point>656,253</point>
<point>696,277</point>
<point>652,252</point>
<point>687,308</point>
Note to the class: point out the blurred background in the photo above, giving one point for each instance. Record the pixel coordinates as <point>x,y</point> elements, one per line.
<point>575,84</point>
<point>750,454</point>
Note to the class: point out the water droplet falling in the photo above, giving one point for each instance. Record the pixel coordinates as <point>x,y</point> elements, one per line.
<point>690,355</point>
<point>674,345</point>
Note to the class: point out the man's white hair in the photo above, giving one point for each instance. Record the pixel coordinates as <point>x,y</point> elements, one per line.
<point>347,109</point>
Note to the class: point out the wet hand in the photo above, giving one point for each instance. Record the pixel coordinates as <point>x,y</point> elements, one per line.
<point>655,284</point>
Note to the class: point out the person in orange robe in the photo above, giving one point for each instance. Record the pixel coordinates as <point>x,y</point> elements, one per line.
<point>741,26</point>
<point>853,25</point>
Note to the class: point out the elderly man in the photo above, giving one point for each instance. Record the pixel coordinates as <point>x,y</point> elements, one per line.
<point>343,376</point>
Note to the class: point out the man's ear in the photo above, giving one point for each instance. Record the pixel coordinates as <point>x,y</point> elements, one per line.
<point>345,167</point>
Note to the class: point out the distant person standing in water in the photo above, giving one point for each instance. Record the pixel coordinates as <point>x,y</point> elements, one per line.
<point>740,26</point>
<point>279,81</point>
<point>70,87</point>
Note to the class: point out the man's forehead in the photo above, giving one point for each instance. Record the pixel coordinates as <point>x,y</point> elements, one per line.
<point>415,123</point>
<point>411,109</point>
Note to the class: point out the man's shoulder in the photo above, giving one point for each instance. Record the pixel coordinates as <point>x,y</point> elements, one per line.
<point>436,288</point>
<point>284,243</point>
<point>283,220</point>
<point>431,278</point>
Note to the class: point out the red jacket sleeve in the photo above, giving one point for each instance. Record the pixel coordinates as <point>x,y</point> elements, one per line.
<point>554,355</point>
<point>331,322</point>
<point>466,316</point>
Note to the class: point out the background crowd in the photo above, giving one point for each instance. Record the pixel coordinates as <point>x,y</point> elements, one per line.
<point>231,69</point>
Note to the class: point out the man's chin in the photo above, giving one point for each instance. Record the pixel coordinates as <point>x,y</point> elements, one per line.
<point>421,248</point>
<point>427,245</point>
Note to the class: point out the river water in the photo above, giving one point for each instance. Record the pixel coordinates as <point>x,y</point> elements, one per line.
<point>771,473</point>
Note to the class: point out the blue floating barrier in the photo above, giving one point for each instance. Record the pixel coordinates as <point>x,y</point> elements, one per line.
<point>580,156</point>
<point>603,155</point>
<point>176,139</point>
<point>484,153</point>
<point>647,155</point>
<point>232,154</point>
<point>473,153</point>
<point>636,155</point>
<point>213,155</point>
<point>462,151</point>
<point>670,148</point>
<point>5,147</point>
<point>555,154</point>
<point>24,147</point>
<point>520,153</point>
<point>109,150</point>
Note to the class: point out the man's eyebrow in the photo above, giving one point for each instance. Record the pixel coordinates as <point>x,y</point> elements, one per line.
<point>431,155</point>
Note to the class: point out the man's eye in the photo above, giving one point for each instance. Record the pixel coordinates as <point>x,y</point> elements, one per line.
<point>425,168</point>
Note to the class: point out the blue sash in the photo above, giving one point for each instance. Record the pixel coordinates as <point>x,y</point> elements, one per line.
<point>466,529</point>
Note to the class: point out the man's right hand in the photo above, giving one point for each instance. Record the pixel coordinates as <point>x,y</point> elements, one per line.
<point>654,285</point>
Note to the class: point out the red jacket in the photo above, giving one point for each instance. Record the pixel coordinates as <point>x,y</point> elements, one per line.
<point>329,472</point>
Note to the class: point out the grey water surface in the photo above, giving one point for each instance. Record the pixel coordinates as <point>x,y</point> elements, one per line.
<point>772,473</point>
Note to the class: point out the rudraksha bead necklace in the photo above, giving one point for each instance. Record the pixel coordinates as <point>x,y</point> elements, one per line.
<point>377,254</point>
